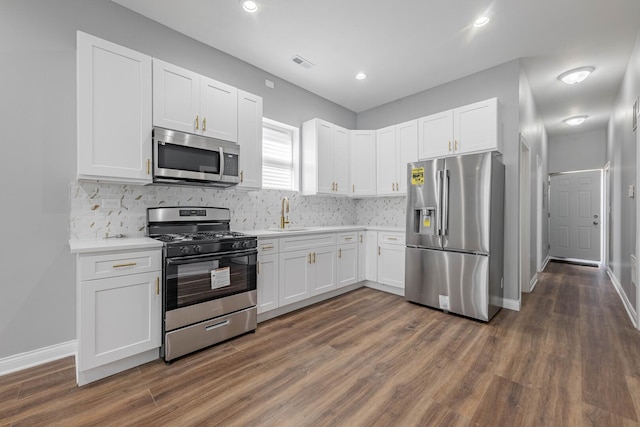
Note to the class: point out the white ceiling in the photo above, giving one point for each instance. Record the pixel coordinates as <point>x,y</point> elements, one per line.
<point>407,46</point>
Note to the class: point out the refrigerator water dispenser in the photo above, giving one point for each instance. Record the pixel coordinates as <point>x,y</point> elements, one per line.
<point>425,221</point>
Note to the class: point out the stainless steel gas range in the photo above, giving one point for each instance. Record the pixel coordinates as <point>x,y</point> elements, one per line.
<point>209,278</point>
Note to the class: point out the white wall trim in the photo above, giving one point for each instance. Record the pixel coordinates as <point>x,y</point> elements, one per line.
<point>37,357</point>
<point>625,301</point>
<point>533,282</point>
<point>511,304</point>
<point>545,262</point>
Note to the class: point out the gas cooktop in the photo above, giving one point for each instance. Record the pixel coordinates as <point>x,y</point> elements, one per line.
<point>199,236</point>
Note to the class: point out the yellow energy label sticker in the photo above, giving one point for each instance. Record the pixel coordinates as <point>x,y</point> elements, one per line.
<point>426,222</point>
<point>417,176</point>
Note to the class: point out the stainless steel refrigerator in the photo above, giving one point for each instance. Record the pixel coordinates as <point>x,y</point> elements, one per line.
<point>455,234</point>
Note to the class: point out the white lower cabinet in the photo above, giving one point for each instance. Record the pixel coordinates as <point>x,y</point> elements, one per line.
<point>391,259</point>
<point>347,268</point>
<point>294,273</point>
<point>268,283</point>
<point>362,255</point>
<point>371,248</point>
<point>119,311</point>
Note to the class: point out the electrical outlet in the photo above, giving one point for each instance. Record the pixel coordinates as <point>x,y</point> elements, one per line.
<point>632,191</point>
<point>111,204</point>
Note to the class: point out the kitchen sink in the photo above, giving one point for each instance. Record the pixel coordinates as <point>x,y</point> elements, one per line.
<point>290,229</point>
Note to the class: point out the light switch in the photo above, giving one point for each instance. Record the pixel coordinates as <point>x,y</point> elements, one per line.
<point>632,191</point>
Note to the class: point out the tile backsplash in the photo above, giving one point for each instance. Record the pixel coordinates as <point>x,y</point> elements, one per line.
<point>100,210</point>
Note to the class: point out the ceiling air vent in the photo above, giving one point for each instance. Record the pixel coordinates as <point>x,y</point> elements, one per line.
<point>302,62</point>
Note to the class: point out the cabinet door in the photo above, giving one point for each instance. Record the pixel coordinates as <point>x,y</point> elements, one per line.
<point>119,317</point>
<point>362,255</point>
<point>326,183</point>
<point>371,247</point>
<point>347,269</point>
<point>176,98</point>
<point>407,152</point>
<point>362,162</point>
<point>293,273</point>
<point>476,127</point>
<point>435,135</point>
<point>386,161</point>
<point>114,112</point>
<point>267,282</point>
<point>322,276</point>
<point>218,109</point>
<point>391,265</point>
<point>250,140</point>
<point>341,160</point>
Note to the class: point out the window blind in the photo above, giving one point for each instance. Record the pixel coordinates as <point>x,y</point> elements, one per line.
<point>277,158</point>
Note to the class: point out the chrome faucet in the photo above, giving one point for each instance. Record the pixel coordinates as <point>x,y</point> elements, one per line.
<point>285,209</point>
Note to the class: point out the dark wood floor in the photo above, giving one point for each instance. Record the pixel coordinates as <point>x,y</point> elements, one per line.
<point>570,358</point>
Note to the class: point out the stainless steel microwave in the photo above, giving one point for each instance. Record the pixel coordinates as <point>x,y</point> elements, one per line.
<point>187,159</point>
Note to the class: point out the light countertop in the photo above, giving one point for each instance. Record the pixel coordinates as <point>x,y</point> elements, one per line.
<point>79,246</point>
<point>317,230</point>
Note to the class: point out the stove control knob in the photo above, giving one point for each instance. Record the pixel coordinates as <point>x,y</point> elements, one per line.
<point>245,244</point>
<point>235,245</point>
<point>184,250</point>
<point>197,249</point>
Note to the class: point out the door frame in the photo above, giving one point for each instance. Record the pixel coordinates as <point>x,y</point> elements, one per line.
<point>606,213</point>
<point>595,263</point>
<point>524,207</point>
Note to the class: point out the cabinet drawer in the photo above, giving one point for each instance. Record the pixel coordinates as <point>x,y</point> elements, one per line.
<point>306,242</point>
<point>115,264</point>
<point>350,237</point>
<point>267,246</point>
<point>391,238</point>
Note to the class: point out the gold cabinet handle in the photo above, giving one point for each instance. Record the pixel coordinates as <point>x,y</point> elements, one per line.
<point>129,264</point>
<point>348,238</point>
<point>309,257</point>
<point>157,286</point>
<point>354,188</point>
<point>393,238</point>
<point>336,186</point>
<point>258,267</point>
<point>449,145</point>
<point>148,166</point>
<point>267,247</point>
<point>378,250</point>
<point>197,122</point>
<point>361,238</point>
<point>204,124</point>
<point>241,177</point>
<point>314,257</point>
<point>455,145</point>
<point>339,253</point>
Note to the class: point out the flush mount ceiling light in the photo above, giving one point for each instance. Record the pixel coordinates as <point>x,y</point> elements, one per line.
<point>481,21</point>
<point>576,75</point>
<point>575,120</point>
<point>361,76</point>
<point>250,6</point>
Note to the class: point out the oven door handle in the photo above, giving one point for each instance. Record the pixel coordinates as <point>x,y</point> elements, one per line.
<point>209,257</point>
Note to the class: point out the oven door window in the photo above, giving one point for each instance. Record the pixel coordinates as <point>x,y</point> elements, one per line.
<point>182,158</point>
<point>196,280</point>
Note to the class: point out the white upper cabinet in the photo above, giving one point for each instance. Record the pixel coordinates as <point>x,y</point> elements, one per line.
<point>397,145</point>
<point>469,129</point>
<point>188,102</point>
<point>362,153</point>
<point>114,112</point>
<point>250,140</point>
<point>325,158</point>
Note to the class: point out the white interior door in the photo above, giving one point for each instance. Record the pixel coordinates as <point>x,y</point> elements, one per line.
<point>575,215</point>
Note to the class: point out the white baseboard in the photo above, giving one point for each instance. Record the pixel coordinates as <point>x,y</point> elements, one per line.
<point>385,288</point>
<point>544,263</point>
<point>511,304</point>
<point>533,282</point>
<point>37,357</point>
<point>631,312</point>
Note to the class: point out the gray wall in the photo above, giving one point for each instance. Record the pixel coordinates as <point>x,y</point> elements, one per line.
<point>38,114</point>
<point>501,81</point>
<point>621,153</point>
<point>533,132</point>
<point>579,151</point>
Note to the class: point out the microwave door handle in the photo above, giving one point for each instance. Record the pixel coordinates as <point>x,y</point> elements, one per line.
<point>221,162</point>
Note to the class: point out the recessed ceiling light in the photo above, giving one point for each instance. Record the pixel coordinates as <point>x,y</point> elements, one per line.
<point>361,76</point>
<point>575,120</point>
<point>576,75</point>
<point>481,21</point>
<point>250,6</point>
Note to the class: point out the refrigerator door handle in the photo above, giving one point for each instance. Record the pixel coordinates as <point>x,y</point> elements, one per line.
<point>439,197</point>
<point>445,202</point>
